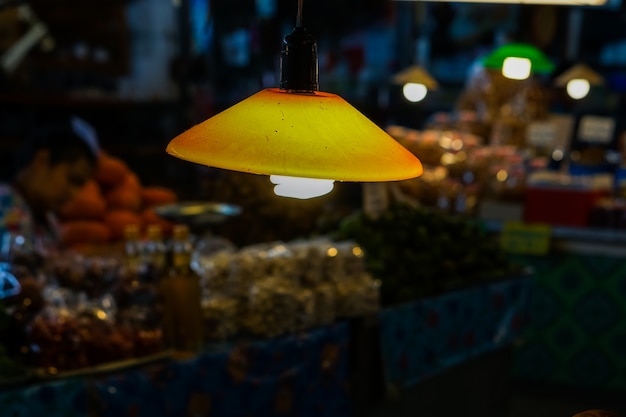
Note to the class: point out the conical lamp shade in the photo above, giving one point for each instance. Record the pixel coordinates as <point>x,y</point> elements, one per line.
<point>579,71</point>
<point>540,63</point>
<point>416,74</point>
<point>311,135</point>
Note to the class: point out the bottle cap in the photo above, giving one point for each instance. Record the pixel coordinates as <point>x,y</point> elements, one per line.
<point>180,231</point>
<point>131,231</point>
<point>154,232</point>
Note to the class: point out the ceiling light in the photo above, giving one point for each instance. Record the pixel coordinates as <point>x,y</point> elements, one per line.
<point>578,80</point>
<point>416,74</point>
<point>518,61</point>
<point>578,88</point>
<point>552,2</point>
<point>296,130</point>
<point>516,68</point>
<point>414,92</point>
<point>416,82</point>
<point>301,188</point>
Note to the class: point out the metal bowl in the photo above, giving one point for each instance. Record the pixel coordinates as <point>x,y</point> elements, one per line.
<point>197,213</point>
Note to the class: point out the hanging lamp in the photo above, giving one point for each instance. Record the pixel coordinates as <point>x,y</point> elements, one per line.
<point>578,80</point>
<point>518,60</point>
<point>296,130</point>
<point>416,82</point>
<point>591,3</point>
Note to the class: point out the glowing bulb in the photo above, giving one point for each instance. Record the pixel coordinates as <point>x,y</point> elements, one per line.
<point>557,155</point>
<point>578,88</point>
<point>302,188</point>
<point>414,92</point>
<point>516,68</point>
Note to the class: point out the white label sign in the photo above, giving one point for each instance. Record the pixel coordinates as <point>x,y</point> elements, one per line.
<point>375,198</point>
<point>596,129</point>
<point>541,134</point>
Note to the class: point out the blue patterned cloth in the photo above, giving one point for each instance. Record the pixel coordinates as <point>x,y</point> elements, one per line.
<point>63,398</point>
<point>422,338</point>
<point>305,375</point>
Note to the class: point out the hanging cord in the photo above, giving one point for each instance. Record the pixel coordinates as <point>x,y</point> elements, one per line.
<point>298,59</point>
<point>299,17</point>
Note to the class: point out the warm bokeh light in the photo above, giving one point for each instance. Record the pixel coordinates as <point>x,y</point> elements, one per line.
<point>301,188</point>
<point>578,88</point>
<point>502,175</point>
<point>516,68</point>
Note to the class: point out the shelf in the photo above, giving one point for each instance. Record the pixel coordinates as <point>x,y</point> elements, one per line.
<point>582,235</point>
<point>59,99</point>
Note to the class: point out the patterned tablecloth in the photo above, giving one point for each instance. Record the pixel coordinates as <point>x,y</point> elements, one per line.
<point>577,330</point>
<point>425,337</point>
<point>303,375</point>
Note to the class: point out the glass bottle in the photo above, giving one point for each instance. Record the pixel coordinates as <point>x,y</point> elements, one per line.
<point>154,253</point>
<point>132,251</point>
<point>181,296</point>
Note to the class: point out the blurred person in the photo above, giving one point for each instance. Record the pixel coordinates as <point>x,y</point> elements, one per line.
<point>47,170</point>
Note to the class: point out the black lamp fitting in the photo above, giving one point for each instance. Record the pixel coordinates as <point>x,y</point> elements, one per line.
<point>298,62</point>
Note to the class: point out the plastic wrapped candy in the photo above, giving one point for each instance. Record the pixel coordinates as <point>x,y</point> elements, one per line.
<point>272,307</point>
<point>325,304</point>
<point>221,317</point>
<point>357,295</point>
<point>306,309</point>
<point>215,274</point>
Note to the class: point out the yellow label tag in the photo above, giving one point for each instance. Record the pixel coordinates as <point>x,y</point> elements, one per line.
<point>526,239</point>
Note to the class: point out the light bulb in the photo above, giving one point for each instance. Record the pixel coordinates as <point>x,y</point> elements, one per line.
<point>578,88</point>
<point>414,92</point>
<point>302,188</point>
<point>516,68</point>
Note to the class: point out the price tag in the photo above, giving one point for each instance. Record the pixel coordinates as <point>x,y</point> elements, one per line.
<point>541,134</point>
<point>375,198</point>
<point>596,129</point>
<point>526,239</point>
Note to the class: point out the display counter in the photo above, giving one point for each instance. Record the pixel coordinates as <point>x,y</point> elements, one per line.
<point>457,345</point>
<point>332,370</point>
<point>425,337</point>
<point>307,373</point>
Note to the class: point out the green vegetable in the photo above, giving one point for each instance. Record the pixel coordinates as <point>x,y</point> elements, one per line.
<point>419,252</point>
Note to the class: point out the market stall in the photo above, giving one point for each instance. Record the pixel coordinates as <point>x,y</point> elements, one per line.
<point>305,374</point>
<point>269,329</point>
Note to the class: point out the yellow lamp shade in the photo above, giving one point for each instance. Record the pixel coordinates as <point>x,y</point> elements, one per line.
<point>416,74</point>
<point>579,72</point>
<point>310,135</point>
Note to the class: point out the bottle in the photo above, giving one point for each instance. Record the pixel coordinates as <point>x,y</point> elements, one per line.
<point>132,252</point>
<point>154,254</point>
<point>153,262</point>
<point>181,296</point>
